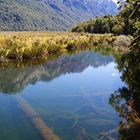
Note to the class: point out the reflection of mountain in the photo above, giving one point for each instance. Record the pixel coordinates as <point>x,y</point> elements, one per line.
<point>13,80</point>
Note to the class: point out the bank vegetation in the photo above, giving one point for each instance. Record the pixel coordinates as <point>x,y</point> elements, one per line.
<point>29,45</point>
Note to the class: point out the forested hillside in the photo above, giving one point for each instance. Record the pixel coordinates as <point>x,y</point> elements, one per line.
<point>53,15</point>
<point>126,22</point>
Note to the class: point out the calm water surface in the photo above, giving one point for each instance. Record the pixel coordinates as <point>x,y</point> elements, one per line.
<point>70,94</point>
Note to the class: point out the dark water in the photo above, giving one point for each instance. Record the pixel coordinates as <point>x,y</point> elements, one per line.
<point>75,96</point>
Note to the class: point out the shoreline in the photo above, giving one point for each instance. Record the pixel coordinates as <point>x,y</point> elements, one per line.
<point>37,45</point>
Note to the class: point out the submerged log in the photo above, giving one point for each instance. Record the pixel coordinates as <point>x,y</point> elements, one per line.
<point>45,132</point>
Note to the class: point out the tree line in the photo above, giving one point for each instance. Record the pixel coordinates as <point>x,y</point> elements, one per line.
<point>127,21</point>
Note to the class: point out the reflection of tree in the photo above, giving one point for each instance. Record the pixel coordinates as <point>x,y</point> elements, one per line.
<point>126,101</point>
<point>16,76</point>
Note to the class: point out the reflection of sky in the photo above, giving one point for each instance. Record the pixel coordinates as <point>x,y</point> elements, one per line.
<point>77,96</point>
<point>95,81</point>
<point>81,95</point>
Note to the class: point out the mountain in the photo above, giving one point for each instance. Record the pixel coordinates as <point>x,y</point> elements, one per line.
<point>54,15</point>
<point>91,8</point>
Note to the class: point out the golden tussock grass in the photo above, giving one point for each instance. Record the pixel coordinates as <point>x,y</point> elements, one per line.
<point>28,45</point>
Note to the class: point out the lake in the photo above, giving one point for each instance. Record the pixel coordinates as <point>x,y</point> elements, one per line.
<point>66,98</point>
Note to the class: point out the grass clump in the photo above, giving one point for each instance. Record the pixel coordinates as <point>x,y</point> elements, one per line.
<point>29,45</point>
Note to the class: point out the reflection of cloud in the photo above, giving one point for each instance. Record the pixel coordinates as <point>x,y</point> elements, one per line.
<point>114,74</point>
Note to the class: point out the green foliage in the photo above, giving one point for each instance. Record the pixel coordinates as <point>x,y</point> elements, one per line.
<point>129,65</point>
<point>130,17</point>
<point>106,24</point>
<point>118,29</point>
<point>126,22</point>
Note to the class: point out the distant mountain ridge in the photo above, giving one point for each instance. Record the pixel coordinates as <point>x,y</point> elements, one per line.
<point>92,7</point>
<point>53,15</point>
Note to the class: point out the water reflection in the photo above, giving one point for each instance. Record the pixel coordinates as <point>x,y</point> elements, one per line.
<point>17,76</point>
<point>71,95</point>
<point>126,101</point>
